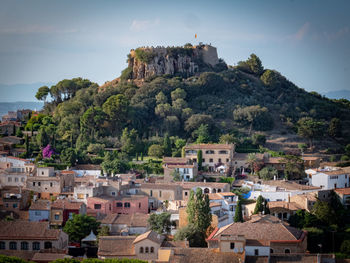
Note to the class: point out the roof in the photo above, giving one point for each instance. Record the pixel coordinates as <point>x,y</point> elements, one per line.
<point>214,204</point>
<point>290,185</point>
<point>214,196</point>
<point>283,204</point>
<point>116,246</point>
<point>190,185</point>
<point>40,205</point>
<point>175,160</point>
<point>210,146</point>
<point>66,204</point>
<point>26,230</point>
<point>262,231</point>
<point>310,158</point>
<point>150,235</point>
<point>131,220</point>
<point>170,186</point>
<point>181,165</point>
<point>227,194</point>
<point>343,191</point>
<point>11,139</point>
<point>90,237</point>
<point>67,172</point>
<point>194,255</point>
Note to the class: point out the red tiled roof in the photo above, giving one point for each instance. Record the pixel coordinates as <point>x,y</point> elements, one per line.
<point>116,246</point>
<point>66,204</point>
<point>343,191</point>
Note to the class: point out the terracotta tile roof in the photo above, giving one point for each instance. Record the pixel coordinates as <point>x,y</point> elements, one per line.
<point>343,191</point>
<point>337,172</point>
<point>150,235</point>
<point>227,194</point>
<point>275,160</point>
<point>283,204</point>
<point>215,197</point>
<point>67,204</point>
<point>262,232</point>
<point>175,160</point>
<point>116,246</point>
<point>214,204</point>
<point>67,172</point>
<point>289,185</point>
<point>195,255</point>
<point>181,166</point>
<point>190,185</point>
<point>179,244</point>
<point>210,146</point>
<point>170,186</point>
<point>310,158</point>
<point>258,218</point>
<point>25,230</point>
<point>40,205</point>
<point>131,220</point>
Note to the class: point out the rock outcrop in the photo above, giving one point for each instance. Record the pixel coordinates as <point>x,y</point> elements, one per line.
<point>149,61</point>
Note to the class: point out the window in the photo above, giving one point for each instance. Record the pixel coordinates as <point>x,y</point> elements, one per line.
<point>139,205</point>
<point>2,245</point>
<point>152,249</point>
<point>271,251</point>
<point>22,179</point>
<point>146,250</point>
<point>186,193</point>
<point>39,183</point>
<point>57,217</point>
<point>80,196</point>
<point>51,184</point>
<point>222,152</point>
<point>119,204</point>
<point>70,215</point>
<point>42,173</point>
<point>210,160</point>
<point>47,245</point>
<point>203,160</point>
<point>24,245</point>
<point>287,251</point>
<point>9,179</point>
<point>141,250</point>
<point>127,205</point>
<point>209,152</point>
<point>37,213</point>
<point>219,160</point>
<point>15,205</point>
<point>36,246</point>
<point>256,252</point>
<point>160,193</point>
<point>227,160</point>
<point>231,207</point>
<point>16,179</point>
<point>97,206</point>
<point>13,245</point>
<point>151,193</point>
<point>113,193</point>
<point>232,245</point>
<point>33,183</point>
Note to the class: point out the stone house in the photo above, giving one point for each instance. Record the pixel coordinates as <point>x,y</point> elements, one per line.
<point>7,127</point>
<point>282,209</point>
<point>263,235</point>
<point>187,170</point>
<point>216,157</point>
<point>207,187</point>
<point>30,236</point>
<point>344,196</point>
<point>14,199</point>
<point>311,161</point>
<point>136,223</point>
<point>39,210</point>
<point>63,210</point>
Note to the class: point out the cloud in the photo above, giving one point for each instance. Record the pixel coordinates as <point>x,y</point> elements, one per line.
<point>301,33</point>
<point>35,29</point>
<point>342,32</point>
<point>143,25</point>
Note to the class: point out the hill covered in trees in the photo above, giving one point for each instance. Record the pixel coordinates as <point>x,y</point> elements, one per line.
<point>241,104</point>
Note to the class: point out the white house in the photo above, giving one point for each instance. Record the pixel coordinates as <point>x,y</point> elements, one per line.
<point>328,177</point>
<point>223,205</point>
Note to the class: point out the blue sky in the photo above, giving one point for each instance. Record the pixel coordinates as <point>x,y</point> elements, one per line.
<point>47,41</point>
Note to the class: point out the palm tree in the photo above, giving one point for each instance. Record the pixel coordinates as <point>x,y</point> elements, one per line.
<point>252,160</point>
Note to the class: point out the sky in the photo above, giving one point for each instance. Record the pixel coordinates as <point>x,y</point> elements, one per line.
<point>47,41</point>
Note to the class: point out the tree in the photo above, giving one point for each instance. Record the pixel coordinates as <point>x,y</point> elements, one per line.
<point>198,213</point>
<point>103,231</point>
<point>117,108</point>
<point>202,134</point>
<point>310,129</point>
<point>42,138</point>
<point>345,247</point>
<point>160,223</point>
<point>268,173</point>
<point>252,160</point>
<point>323,212</point>
<point>271,78</point>
<point>80,226</point>
<point>27,145</point>
<point>96,148</point>
<point>178,94</point>
<point>335,129</point>
<point>68,155</point>
<point>227,138</point>
<point>167,145</point>
<point>114,164</point>
<point>176,176</point>
<point>258,139</point>
<point>129,141</point>
<point>199,159</point>
<point>155,150</point>
<point>161,98</point>
<point>294,167</point>
<point>238,212</point>
<point>259,206</point>
<point>42,93</point>
<point>255,64</point>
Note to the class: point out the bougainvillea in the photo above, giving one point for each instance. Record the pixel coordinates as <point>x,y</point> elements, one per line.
<point>48,151</point>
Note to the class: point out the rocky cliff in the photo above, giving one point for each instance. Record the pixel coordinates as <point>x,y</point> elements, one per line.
<point>147,62</point>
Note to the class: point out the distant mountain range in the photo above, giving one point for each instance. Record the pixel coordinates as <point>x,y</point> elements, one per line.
<point>18,105</point>
<point>338,94</point>
<point>20,92</point>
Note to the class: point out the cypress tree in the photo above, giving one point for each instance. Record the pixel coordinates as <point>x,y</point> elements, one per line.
<point>199,159</point>
<point>238,212</point>
<point>259,207</point>
<point>141,156</point>
<point>27,145</point>
<point>167,145</point>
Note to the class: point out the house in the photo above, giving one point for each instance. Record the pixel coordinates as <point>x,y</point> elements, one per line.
<point>86,186</point>
<point>144,247</point>
<point>187,170</point>
<point>207,187</point>
<point>216,157</point>
<point>159,192</point>
<point>30,236</point>
<point>223,205</point>
<point>9,127</point>
<point>282,209</point>
<point>311,161</point>
<point>63,209</point>
<point>135,223</point>
<point>87,170</point>
<point>264,235</point>
<point>344,196</point>
<point>14,199</point>
<point>328,177</point>
<point>39,210</point>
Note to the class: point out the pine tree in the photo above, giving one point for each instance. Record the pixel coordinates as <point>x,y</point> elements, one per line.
<point>238,212</point>
<point>199,159</point>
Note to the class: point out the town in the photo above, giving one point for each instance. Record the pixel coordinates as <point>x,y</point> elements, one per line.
<point>211,204</point>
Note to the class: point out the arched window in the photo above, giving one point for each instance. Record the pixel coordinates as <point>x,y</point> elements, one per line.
<point>206,191</point>
<point>152,249</point>
<point>213,191</point>
<point>127,205</point>
<point>48,244</point>
<point>219,190</point>
<point>146,250</point>
<point>24,245</point>
<point>271,251</point>
<point>287,251</point>
<point>280,215</point>
<point>13,245</point>
<point>119,204</point>
<point>141,250</point>
<point>285,216</point>
<point>36,245</point>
